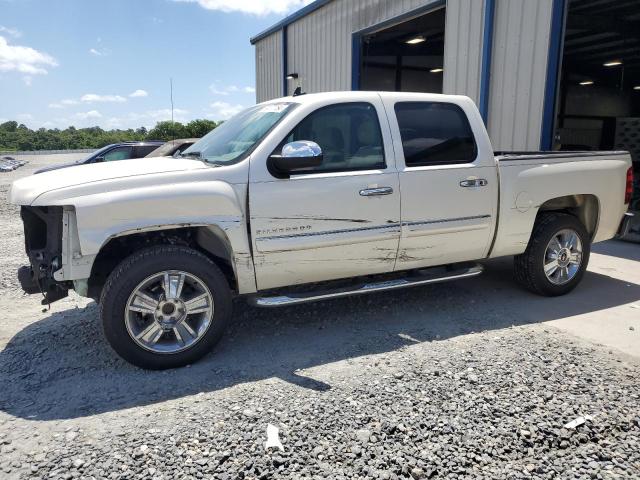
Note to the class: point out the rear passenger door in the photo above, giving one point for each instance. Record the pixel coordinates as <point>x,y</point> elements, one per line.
<point>448,181</point>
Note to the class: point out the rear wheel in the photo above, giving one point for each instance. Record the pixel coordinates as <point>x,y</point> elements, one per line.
<point>165,307</point>
<point>557,255</point>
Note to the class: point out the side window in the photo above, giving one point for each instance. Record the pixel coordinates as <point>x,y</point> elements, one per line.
<point>348,133</point>
<point>144,150</point>
<point>120,153</point>
<point>435,134</point>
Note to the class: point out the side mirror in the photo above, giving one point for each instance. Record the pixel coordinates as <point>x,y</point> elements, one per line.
<point>99,159</point>
<point>295,156</point>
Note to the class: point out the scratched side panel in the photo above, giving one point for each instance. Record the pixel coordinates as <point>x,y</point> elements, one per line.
<point>319,228</point>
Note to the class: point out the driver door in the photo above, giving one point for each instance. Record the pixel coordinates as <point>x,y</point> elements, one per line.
<point>338,220</point>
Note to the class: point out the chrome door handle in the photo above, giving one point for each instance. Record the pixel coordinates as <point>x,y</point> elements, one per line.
<point>372,192</point>
<point>478,182</point>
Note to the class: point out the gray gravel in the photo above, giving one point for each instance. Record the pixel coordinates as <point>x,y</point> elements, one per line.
<point>435,382</point>
<point>483,406</point>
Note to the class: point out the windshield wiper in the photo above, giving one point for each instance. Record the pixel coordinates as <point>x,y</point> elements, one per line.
<point>191,154</point>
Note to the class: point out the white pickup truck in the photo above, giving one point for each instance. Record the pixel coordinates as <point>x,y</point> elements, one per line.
<point>307,198</point>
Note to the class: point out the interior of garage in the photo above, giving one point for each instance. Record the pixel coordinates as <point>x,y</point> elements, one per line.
<point>406,57</point>
<point>599,102</point>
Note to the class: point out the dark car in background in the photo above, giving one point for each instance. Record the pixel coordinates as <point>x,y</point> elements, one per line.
<point>110,153</point>
<point>173,147</point>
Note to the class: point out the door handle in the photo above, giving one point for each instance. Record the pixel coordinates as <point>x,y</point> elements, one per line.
<point>478,182</point>
<point>372,192</point>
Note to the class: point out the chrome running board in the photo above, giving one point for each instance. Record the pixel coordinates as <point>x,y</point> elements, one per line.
<point>417,277</point>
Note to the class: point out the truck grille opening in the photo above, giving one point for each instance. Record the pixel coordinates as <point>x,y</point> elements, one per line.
<point>35,228</point>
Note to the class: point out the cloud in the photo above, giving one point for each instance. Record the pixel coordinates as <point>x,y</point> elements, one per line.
<point>223,110</point>
<point>64,103</point>
<point>16,58</point>
<point>12,32</point>
<point>99,52</point>
<point>254,7</point>
<point>147,119</point>
<point>88,115</point>
<point>139,93</point>
<point>93,98</point>
<point>24,117</point>
<point>226,90</point>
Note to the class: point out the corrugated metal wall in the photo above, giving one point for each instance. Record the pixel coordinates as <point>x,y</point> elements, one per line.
<point>320,47</point>
<point>269,67</point>
<point>320,43</point>
<point>518,73</point>
<point>463,47</point>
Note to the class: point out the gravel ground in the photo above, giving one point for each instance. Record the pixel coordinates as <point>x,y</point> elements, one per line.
<point>460,380</point>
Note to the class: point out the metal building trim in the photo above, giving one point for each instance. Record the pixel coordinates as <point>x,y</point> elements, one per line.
<point>356,37</point>
<point>313,6</point>
<point>556,46</point>
<point>487,49</point>
<point>285,62</point>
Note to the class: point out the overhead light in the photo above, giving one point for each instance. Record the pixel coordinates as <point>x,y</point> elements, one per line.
<point>637,87</point>
<point>292,76</point>
<point>586,82</point>
<point>437,70</point>
<point>415,40</point>
<point>613,63</point>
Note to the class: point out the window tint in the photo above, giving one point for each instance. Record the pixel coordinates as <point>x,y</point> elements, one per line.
<point>434,134</point>
<point>120,153</point>
<point>144,150</point>
<point>348,134</point>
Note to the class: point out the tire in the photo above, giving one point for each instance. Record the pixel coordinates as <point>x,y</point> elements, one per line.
<point>120,318</point>
<point>529,267</point>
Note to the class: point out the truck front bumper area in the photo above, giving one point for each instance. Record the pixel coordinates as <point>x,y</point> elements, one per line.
<point>43,245</point>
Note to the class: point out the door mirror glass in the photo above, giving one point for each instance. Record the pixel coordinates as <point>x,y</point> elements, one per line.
<point>299,155</point>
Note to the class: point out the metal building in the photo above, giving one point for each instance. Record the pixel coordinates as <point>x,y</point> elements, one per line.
<point>544,73</point>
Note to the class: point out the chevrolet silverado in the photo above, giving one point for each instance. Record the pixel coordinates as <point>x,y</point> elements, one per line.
<point>306,198</point>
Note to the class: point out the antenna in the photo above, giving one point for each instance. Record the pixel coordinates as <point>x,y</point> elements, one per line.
<point>172,123</point>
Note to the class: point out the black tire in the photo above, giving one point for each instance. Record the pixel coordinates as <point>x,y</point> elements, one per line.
<point>133,270</point>
<point>529,266</point>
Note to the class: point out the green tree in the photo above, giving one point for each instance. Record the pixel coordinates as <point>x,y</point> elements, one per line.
<point>199,128</point>
<point>167,130</point>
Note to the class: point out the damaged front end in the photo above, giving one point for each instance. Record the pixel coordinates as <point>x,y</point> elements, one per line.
<point>43,245</point>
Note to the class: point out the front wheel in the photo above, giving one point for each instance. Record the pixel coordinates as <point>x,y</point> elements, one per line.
<point>557,255</point>
<point>165,307</point>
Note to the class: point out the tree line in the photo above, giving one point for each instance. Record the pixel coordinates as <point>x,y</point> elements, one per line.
<point>17,137</point>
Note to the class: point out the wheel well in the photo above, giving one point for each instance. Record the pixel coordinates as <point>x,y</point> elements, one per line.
<point>585,208</point>
<point>209,240</point>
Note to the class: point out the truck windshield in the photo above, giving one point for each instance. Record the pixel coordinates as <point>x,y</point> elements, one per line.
<point>237,136</point>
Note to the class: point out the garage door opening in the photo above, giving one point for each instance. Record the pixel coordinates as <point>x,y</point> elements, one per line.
<point>599,103</point>
<point>407,57</point>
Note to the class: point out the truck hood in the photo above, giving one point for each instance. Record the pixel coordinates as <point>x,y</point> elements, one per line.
<point>26,190</point>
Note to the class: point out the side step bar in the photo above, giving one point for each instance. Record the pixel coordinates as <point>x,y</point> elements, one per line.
<point>417,277</point>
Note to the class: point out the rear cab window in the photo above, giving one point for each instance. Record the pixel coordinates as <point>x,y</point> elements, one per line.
<point>435,133</point>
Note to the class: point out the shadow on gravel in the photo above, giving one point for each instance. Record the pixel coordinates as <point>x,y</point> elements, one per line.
<point>62,368</point>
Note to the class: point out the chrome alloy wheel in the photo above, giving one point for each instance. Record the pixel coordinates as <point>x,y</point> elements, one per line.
<point>169,312</point>
<point>563,257</point>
